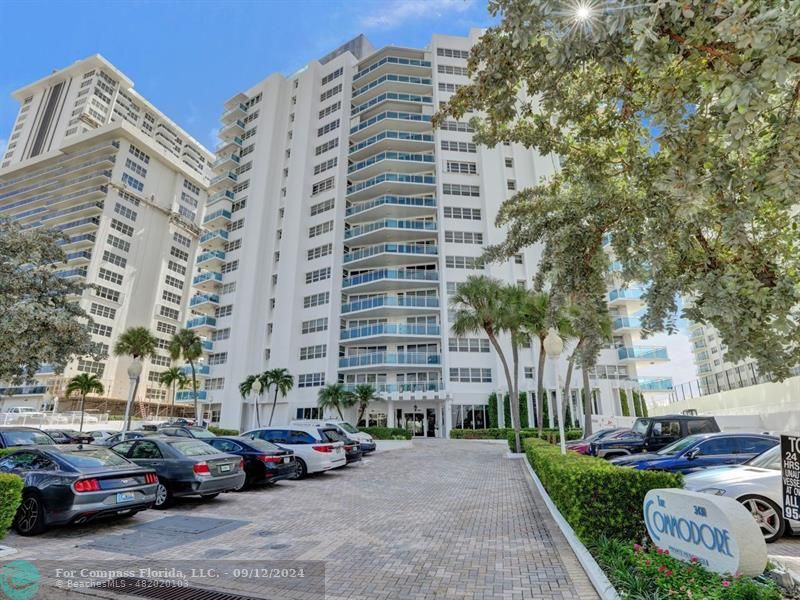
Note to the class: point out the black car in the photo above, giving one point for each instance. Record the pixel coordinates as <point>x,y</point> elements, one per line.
<point>200,433</point>
<point>70,436</point>
<point>650,434</point>
<point>74,484</point>
<point>24,436</point>
<point>264,462</point>
<point>185,466</point>
<point>352,448</point>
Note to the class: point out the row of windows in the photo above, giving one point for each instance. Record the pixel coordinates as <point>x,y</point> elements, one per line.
<point>133,182</point>
<point>321,207</point>
<point>191,187</point>
<point>458,212</point>
<point>170,313</point>
<point>318,275</point>
<point>173,281</point>
<point>314,325</point>
<point>310,380</point>
<point>463,262</point>
<point>135,167</point>
<point>468,345</point>
<point>178,253</point>
<point>333,125</point>
<point>123,228</point>
<point>171,297</point>
<point>139,154</point>
<point>223,311</point>
<point>128,197</point>
<point>467,375</point>
<point>238,205</point>
<point>320,229</point>
<point>463,237</point>
<point>330,93</point>
<point>452,70</point>
<point>452,53</point>
<point>235,225</point>
<point>177,267</point>
<point>316,299</point>
<point>324,166</point>
<point>215,383</point>
<point>329,145</point>
<point>124,211</point>
<point>110,276</point>
<point>449,87</point>
<point>320,251</point>
<point>310,352</point>
<point>221,334</point>
<point>114,259</point>
<point>229,267</point>
<point>106,293</point>
<point>181,239</point>
<point>459,146</point>
<point>466,168</point>
<point>118,243</point>
<point>457,126</point>
<point>322,186</point>
<point>220,358</point>
<point>330,109</point>
<point>102,311</point>
<point>167,328</point>
<point>98,329</point>
<point>455,189</point>
<point>233,245</point>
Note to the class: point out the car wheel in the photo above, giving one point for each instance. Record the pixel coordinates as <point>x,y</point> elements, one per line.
<point>30,518</point>
<point>302,469</point>
<point>209,496</point>
<point>767,515</point>
<point>163,495</point>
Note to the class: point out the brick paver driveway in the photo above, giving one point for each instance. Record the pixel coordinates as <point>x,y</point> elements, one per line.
<point>444,519</point>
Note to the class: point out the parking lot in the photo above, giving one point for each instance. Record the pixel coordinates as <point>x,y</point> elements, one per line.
<point>444,519</point>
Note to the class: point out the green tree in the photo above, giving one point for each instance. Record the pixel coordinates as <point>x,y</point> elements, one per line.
<point>136,342</point>
<point>492,410</point>
<point>643,404</point>
<point>362,395</point>
<point>637,407</point>
<point>283,382</point>
<point>42,322</point>
<point>623,401</point>
<point>333,395</point>
<point>84,384</point>
<point>187,345</point>
<point>177,380</point>
<point>677,130</point>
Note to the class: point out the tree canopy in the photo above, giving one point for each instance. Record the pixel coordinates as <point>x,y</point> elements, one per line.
<point>675,128</point>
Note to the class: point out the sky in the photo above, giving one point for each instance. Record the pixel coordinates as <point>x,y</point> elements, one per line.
<point>188,57</point>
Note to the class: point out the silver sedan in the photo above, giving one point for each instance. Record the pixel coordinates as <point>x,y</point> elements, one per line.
<point>757,485</point>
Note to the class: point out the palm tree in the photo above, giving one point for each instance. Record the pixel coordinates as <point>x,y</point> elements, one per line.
<point>136,342</point>
<point>84,384</point>
<point>187,345</point>
<point>253,384</point>
<point>333,395</point>
<point>363,394</point>
<point>175,378</point>
<point>283,382</point>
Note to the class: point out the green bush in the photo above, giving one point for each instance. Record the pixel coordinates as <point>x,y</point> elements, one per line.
<point>548,435</point>
<point>491,410</point>
<point>10,497</point>
<point>387,433</point>
<point>506,433</point>
<point>623,400</point>
<point>223,431</point>
<point>4,451</point>
<point>594,496</point>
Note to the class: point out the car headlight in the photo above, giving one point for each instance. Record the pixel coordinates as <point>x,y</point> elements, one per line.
<point>714,491</point>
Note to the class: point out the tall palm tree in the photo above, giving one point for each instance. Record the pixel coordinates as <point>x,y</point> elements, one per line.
<point>136,342</point>
<point>84,384</point>
<point>512,319</point>
<point>177,380</point>
<point>187,345</point>
<point>363,394</point>
<point>253,384</point>
<point>333,395</point>
<point>283,382</point>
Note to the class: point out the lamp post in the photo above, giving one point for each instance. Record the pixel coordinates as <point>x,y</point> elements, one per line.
<point>554,346</point>
<point>134,371</point>
<point>257,388</point>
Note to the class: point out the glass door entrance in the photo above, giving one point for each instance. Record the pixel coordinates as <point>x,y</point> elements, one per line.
<point>415,423</point>
<point>430,419</point>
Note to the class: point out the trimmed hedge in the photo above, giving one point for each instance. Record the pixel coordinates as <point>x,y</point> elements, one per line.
<point>10,497</point>
<point>387,433</point>
<point>222,431</point>
<point>548,435</point>
<point>594,496</point>
<point>506,433</point>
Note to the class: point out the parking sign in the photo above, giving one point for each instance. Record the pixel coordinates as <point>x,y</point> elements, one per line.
<point>790,468</point>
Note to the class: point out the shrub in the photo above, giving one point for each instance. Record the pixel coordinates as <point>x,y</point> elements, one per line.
<point>223,431</point>
<point>503,433</point>
<point>387,433</point>
<point>4,451</point>
<point>491,410</point>
<point>10,497</point>
<point>594,496</point>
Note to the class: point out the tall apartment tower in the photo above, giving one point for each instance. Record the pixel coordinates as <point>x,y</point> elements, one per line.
<point>91,158</point>
<point>338,225</point>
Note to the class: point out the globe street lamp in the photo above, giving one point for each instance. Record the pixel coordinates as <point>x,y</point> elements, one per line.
<point>553,347</point>
<point>134,371</point>
<point>257,388</point>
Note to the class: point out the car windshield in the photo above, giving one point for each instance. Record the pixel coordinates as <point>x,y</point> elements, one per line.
<point>263,446</point>
<point>348,428</point>
<point>771,459</point>
<point>93,457</point>
<point>331,435</point>
<point>201,433</point>
<point>194,448</point>
<point>27,438</point>
<point>679,446</point>
<point>640,427</point>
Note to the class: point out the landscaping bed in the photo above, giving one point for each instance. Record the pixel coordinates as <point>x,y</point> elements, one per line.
<point>387,433</point>
<point>506,433</point>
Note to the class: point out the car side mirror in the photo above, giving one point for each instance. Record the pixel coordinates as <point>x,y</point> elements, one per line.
<point>692,454</point>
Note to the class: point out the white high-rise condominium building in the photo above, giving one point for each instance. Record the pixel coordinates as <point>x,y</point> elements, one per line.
<point>90,157</point>
<point>339,223</point>
<point>714,373</point>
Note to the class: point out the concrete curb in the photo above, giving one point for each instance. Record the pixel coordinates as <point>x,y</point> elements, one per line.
<point>596,575</point>
<point>7,551</point>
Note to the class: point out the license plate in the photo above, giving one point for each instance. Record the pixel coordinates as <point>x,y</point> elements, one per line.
<point>338,451</point>
<point>286,459</point>
<point>125,497</point>
<point>224,468</point>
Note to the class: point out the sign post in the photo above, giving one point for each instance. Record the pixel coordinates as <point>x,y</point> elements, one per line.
<point>790,470</point>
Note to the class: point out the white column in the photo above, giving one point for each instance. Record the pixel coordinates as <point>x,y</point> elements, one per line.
<point>390,422</point>
<point>501,409</point>
<point>448,417</point>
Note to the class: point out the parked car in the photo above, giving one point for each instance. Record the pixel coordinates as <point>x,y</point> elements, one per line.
<point>364,440</point>
<point>190,431</point>
<point>120,436</point>
<point>75,484</point>
<point>649,434</point>
<point>185,467</point>
<point>74,416</point>
<point>701,451</point>
<point>101,435</point>
<point>264,462</point>
<point>582,446</point>
<point>757,484</point>
<point>70,436</point>
<point>314,447</point>
<point>179,422</point>
<point>23,436</point>
<point>352,450</point>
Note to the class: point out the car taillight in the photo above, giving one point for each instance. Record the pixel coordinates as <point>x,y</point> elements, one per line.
<point>150,478</point>
<point>201,468</point>
<point>241,464</point>
<point>348,448</point>
<point>323,448</point>
<point>270,459</point>
<point>86,485</point>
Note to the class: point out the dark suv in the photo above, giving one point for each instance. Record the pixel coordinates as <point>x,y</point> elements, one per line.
<point>649,434</point>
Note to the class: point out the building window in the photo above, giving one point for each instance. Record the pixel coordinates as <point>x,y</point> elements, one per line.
<point>169,313</point>
<point>311,352</point>
<point>102,311</point>
<point>322,206</point>
<point>468,345</point>
<point>454,189</point>
<point>114,259</point>
<point>322,186</point>
<point>110,276</point>
<point>465,168</point>
<point>509,162</point>
<point>224,311</point>
<point>132,182</point>
<point>316,299</point>
<point>124,211</point>
<point>310,380</point>
<point>457,212</point>
<point>511,184</point>
<point>220,358</point>
<point>470,375</point>
<point>318,275</point>
<point>320,229</point>
<point>314,325</point>
<point>320,251</point>
<point>463,237</point>
<point>463,262</point>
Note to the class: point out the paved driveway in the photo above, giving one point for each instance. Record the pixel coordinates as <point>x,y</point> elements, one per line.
<point>444,519</point>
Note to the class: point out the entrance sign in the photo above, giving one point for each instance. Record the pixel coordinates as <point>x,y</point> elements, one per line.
<point>719,532</point>
<point>790,469</point>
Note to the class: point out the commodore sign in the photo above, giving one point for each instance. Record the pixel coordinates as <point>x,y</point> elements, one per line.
<point>719,532</point>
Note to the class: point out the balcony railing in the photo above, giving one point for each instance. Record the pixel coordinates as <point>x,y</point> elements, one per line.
<point>391,301</point>
<point>389,388</point>
<point>392,60</point>
<point>217,214</point>
<point>403,136</point>
<point>199,369</point>
<point>201,322</point>
<point>210,235</point>
<point>210,255</point>
<point>412,249</point>
<point>391,77</point>
<point>397,274</point>
<point>412,201</point>
<point>236,141</point>
<point>222,195</point>
<point>627,323</point>
<point>390,224</point>
<point>208,276</point>
<point>625,294</point>
<point>404,156</point>
<point>203,298</point>
<point>655,384</point>
<point>642,353</point>
<point>230,175</point>
<point>742,376</point>
<point>388,97</point>
<point>389,329</point>
<point>390,358</point>
<point>391,177</point>
<point>391,114</point>
<point>188,396</point>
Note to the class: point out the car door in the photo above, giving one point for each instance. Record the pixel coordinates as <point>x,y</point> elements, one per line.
<point>662,433</point>
<point>146,453</point>
<point>715,452</point>
<point>37,471</point>
<point>750,447</point>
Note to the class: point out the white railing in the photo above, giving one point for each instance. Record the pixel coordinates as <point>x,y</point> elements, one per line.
<point>65,419</point>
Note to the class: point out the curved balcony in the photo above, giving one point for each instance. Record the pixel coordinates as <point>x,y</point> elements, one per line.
<point>187,396</point>
<point>232,129</point>
<point>390,101</point>
<point>626,296</point>
<point>199,369</point>
<point>395,388</point>
<point>388,332</point>
<point>221,196</point>
<point>204,303</point>
<point>78,242</point>
<point>391,230</point>
<point>398,64</point>
<point>76,273</point>
<point>655,384</point>
<point>642,353</point>
<point>399,162</point>
<point>213,259</point>
<point>394,206</point>
<point>79,257</point>
<point>623,324</point>
<point>390,119</point>
<point>229,161</point>
<point>204,325</point>
<point>207,282</point>
<point>382,306</point>
<point>207,345</point>
<point>237,111</point>
<point>214,240</point>
<point>390,254</point>
<point>391,184</point>
<point>404,141</point>
<point>391,279</point>
<point>223,182</point>
<point>234,143</point>
<point>411,84</point>
<point>91,209</point>
<point>218,218</point>
<point>389,360</point>
<point>79,226</point>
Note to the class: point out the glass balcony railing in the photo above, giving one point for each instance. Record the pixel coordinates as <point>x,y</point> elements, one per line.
<point>393,60</point>
<point>402,136</point>
<point>207,345</point>
<point>391,97</point>
<point>388,388</point>
<point>390,224</point>
<point>203,298</point>
<point>404,156</point>
<point>390,358</point>
<point>188,396</point>
<point>391,301</point>
<point>412,249</point>
<point>208,276</point>
<point>199,369</point>
<point>201,322</point>
<point>389,329</point>
<point>606,239</point>
<point>76,272</point>
<point>391,77</point>
<point>642,353</point>
<point>391,177</point>
<point>625,294</point>
<point>397,274</point>
<point>224,159</point>
<point>655,384</point>
<point>23,390</point>
<point>223,195</point>
<point>210,255</point>
<point>217,214</point>
<point>238,109</point>
<point>210,235</point>
<point>236,141</point>
<point>230,175</point>
<point>627,323</point>
<point>391,114</point>
<point>412,201</point>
